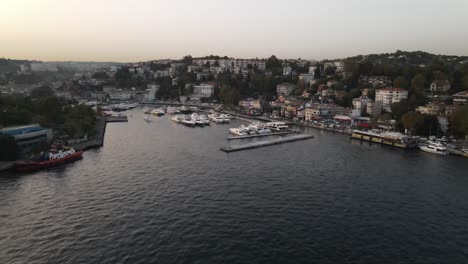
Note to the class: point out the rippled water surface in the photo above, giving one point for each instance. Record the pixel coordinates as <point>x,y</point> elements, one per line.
<point>164,193</point>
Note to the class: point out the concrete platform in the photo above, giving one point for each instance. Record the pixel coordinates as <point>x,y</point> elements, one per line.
<point>263,135</point>
<point>265,143</point>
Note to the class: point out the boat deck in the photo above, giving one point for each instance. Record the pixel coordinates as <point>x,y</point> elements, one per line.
<point>265,143</point>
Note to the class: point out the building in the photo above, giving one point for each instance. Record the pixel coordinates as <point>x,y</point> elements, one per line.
<point>374,108</point>
<point>439,86</point>
<point>121,95</point>
<point>250,104</point>
<point>285,89</point>
<point>152,90</point>
<point>460,98</point>
<point>431,109</point>
<point>307,78</point>
<point>287,70</point>
<point>389,96</point>
<point>360,103</point>
<point>28,135</point>
<point>325,112</point>
<point>204,90</point>
<point>376,81</point>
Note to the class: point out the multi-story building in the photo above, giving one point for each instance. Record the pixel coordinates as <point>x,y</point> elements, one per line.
<point>376,81</point>
<point>307,78</point>
<point>460,98</point>
<point>250,103</point>
<point>121,95</point>
<point>287,70</point>
<point>204,90</point>
<point>152,90</point>
<point>388,96</point>
<point>285,89</point>
<point>431,109</point>
<point>360,103</point>
<point>28,135</point>
<point>374,108</point>
<point>439,86</point>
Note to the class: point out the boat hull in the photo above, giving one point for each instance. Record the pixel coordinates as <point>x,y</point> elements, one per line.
<point>35,166</point>
<point>428,150</point>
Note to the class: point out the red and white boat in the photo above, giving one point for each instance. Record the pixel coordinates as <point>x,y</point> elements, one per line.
<point>54,157</point>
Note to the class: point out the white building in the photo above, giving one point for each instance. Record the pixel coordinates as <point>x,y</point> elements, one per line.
<point>287,70</point>
<point>307,78</point>
<point>374,108</point>
<point>312,69</point>
<point>152,90</point>
<point>388,96</point>
<point>440,86</point>
<point>360,103</point>
<point>204,90</point>
<point>285,89</point>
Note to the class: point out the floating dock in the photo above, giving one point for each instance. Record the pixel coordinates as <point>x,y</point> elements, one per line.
<point>265,143</point>
<point>114,119</point>
<point>263,135</point>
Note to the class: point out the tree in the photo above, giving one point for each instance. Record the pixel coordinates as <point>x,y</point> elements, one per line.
<point>411,121</point>
<point>300,87</point>
<point>400,108</point>
<point>272,62</point>
<point>400,82</point>
<point>418,83</point>
<point>42,91</point>
<point>9,149</point>
<point>438,75</point>
<point>459,122</point>
<point>187,59</point>
<point>464,83</point>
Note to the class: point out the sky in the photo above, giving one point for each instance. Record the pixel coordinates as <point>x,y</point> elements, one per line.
<point>140,30</point>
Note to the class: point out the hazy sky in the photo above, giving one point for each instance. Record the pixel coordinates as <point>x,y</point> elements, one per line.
<point>136,30</point>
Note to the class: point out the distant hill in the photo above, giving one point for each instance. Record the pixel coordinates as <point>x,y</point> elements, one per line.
<point>410,57</point>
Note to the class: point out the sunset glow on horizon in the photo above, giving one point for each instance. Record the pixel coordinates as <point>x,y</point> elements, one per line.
<point>124,30</point>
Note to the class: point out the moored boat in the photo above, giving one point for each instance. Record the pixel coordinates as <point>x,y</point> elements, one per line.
<point>394,139</point>
<point>435,148</point>
<point>277,126</point>
<point>157,112</point>
<point>54,157</point>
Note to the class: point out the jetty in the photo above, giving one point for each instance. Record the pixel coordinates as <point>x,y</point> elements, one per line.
<point>265,143</point>
<point>263,135</point>
<point>114,119</point>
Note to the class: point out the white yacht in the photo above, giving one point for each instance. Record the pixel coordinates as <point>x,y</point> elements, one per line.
<point>238,131</point>
<point>278,126</point>
<point>204,120</point>
<point>434,147</point>
<point>218,120</point>
<point>147,118</point>
<point>188,121</point>
<point>177,118</point>
<point>157,112</point>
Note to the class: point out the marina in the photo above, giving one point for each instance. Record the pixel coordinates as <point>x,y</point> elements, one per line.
<point>265,143</point>
<point>147,172</point>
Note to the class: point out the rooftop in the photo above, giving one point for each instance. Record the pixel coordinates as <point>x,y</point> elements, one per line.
<point>392,89</point>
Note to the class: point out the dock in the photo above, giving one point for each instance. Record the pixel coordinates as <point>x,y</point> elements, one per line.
<point>115,119</point>
<point>263,135</point>
<point>265,143</point>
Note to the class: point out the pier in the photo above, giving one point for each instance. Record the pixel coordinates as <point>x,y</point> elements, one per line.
<point>263,135</point>
<point>115,119</point>
<point>265,143</point>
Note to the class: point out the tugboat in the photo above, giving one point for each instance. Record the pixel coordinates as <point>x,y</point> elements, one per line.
<point>56,156</point>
